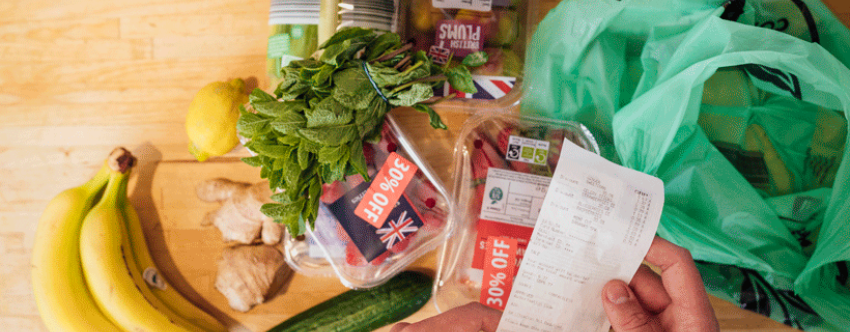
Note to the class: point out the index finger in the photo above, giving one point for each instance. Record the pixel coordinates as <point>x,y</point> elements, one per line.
<point>679,275</point>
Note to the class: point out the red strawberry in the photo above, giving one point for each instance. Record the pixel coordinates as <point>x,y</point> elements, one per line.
<point>402,245</point>
<point>353,257</point>
<point>556,143</point>
<point>478,199</point>
<point>432,219</point>
<point>352,181</point>
<point>369,154</point>
<point>502,139</point>
<point>332,192</point>
<point>341,234</point>
<point>381,258</point>
<point>484,156</point>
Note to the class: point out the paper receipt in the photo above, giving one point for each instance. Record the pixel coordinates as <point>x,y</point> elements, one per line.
<point>596,224</point>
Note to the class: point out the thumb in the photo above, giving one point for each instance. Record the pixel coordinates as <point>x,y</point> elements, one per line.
<point>624,311</point>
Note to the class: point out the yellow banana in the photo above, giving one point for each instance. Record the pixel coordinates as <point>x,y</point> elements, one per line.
<point>63,300</point>
<point>107,272</point>
<point>162,291</point>
<point>138,279</point>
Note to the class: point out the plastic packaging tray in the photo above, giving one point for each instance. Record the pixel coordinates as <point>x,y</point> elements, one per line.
<point>502,167</point>
<point>364,256</point>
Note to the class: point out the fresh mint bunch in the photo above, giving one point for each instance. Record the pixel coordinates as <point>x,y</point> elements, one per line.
<point>312,130</point>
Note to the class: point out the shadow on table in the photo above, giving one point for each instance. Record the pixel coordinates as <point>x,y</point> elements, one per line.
<point>149,159</point>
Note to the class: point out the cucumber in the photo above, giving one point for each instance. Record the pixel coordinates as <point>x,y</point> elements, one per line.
<point>365,310</point>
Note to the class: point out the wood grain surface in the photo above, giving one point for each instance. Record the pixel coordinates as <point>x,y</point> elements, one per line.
<point>81,77</point>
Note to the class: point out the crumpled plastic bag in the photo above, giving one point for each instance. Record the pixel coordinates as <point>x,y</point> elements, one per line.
<point>745,124</point>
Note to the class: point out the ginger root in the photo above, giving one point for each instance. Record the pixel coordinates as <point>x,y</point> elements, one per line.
<point>248,274</point>
<point>239,219</point>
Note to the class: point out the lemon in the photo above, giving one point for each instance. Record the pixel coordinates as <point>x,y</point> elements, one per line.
<point>212,116</point>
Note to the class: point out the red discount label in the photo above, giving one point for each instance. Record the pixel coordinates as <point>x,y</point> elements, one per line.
<point>499,261</point>
<point>386,189</point>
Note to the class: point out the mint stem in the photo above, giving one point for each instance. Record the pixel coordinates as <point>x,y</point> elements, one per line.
<point>402,62</point>
<point>438,99</point>
<point>434,78</point>
<point>394,53</point>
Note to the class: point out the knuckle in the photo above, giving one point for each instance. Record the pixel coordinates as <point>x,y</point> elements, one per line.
<point>635,321</point>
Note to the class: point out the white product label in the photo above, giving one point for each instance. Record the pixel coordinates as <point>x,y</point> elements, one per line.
<point>477,5</point>
<point>527,150</point>
<point>596,224</point>
<point>513,197</point>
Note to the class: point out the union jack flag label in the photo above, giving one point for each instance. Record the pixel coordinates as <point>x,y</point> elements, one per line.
<point>489,88</point>
<point>397,230</point>
<point>402,222</point>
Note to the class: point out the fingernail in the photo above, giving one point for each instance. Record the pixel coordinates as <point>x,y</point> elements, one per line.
<point>617,293</point>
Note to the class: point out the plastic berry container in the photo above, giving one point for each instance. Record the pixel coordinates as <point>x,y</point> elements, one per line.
<point>503,164</point>
<point>361,235</point>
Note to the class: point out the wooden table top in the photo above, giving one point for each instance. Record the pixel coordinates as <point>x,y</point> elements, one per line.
<point>79,78</point>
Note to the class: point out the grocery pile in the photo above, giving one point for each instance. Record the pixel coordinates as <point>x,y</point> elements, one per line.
<point>92,270</point>
<point>311,131</point>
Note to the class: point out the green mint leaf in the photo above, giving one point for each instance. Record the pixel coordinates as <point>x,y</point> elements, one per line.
<point>309,146</point>
<point>273,151</point>
<point>292,85</point>
<point>251,124</point>
<point>305,63</point>
<point>259,95</point>
<point>331,135</point>
<point>289,123</point>
<point>283,211</point>
<point>328,112</point>
<point>278,108</point>
<point>357,159</point>
<point>331,173</point>
<point>476,59</point>
<point>314,192</point>
<point>385,76</point>
<point>278,164</point>
<point>264,173</point>
<point>275,178</point>
<point>374,137</point>
<point>255,161</point>
<point>345,34</point>
<point>323,78</point>
<point>461,79</point>
<point>373,116</point>
<point>281,198</point>
<point>417,92</point>
<point>353,89</point>
<point>292,174</point>
<point>304,159</point>
<point>434,118</point>
<point>331,154</point>
<point>382,44</point>
<point>337,54</point>
<point>292,140</point>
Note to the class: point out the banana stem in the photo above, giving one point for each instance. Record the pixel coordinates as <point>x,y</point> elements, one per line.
<point>121,160</point>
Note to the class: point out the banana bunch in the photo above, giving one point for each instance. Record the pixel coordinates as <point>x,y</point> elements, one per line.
<point>91,267</point>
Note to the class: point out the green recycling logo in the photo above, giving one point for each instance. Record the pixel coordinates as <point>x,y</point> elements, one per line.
<point>540,156</point>
<point>495,195</point>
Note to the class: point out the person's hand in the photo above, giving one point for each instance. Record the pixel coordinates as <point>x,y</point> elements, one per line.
<point>675,301</point>
<point>472,317</point>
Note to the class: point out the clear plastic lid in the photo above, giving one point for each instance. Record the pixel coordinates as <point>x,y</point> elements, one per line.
<point>448,30</point>
<point>364,237</point>
<point>503,166</point>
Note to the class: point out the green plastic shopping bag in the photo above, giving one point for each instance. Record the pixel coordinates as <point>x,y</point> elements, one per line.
<point>746,126</point>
